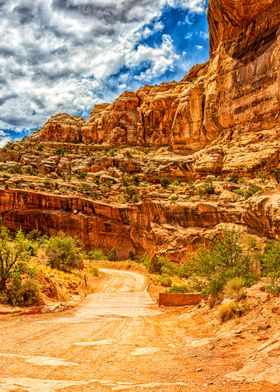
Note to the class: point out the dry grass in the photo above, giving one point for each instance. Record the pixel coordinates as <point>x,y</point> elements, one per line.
<point>230,310</point>
<point>235,289</point>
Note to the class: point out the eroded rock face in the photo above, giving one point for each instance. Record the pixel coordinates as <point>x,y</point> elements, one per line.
<point>233,100</point>
<point>133,230</point>
<point>242,87</point>
<point>62,127</point>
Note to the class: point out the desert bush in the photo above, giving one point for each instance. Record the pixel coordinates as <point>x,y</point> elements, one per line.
<point>63,252</point>
<point>160,265</point>
<point>97,254</point>
<point>126,181</point>
<point>234,288</point>
<point>136,180</point>
<point>179,288</point>
<point>271,265</point>
<point>24,294</point>
<point>232,310</point>
<point>128,154</point>
<point>85,189</point>
<point>112,255</point>
<point>207,189</point>
<point>135,199</point>
<point>165,280</point>
<point>145,260</point>
<point>233,178</point>
<point>32,171</point>
<point>17,169</point>
<point>173,198</point>
<point>224,260</point>
<point>60,151</point>
<point>12,252</point>
<point>80,175</point>
<point>251,191</point>
<point>94,271</point>
<point>165,182</point>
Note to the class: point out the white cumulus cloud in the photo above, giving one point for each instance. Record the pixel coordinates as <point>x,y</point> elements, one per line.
<point>57,55</point>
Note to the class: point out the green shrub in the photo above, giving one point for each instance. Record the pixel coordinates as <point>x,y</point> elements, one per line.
<point>165,182</point>
<point>126,181</point>
<point>159,265</point>
<point>136,180</point>
<point>224,260</point>
<point>251,191</point>
<point>271,265</point>
<point>145,260</point>
<point>132,195</point>
<point>17,169</point>
<point>32,272</point>
<point>173,198</point>
<point>135,199</point>
<point>63,252</point>
<point>24,294</point>
<point>128,154</point>
<point>84,189</point>
<point>47,182</point>
<point>144,184</point>
<point>94,271</point>
<point>112,255</point>
<point>239,192</point>
<point>80,175</point>
<point>60,151</point>
<point>110,151</point>
<point>97,254</point>
<point>233,178</point>
<point>207,189</point>
<point>165,280</point>
<point>32,171</point>
<point>179,288</point>
<point>12,252</point>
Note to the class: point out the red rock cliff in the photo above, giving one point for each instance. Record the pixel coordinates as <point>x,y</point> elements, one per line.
<point>235,96</point>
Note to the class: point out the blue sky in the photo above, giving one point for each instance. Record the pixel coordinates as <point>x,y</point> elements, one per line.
<point>68,55</point>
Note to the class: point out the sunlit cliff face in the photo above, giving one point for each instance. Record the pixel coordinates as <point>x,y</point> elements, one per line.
<point>227,17</point>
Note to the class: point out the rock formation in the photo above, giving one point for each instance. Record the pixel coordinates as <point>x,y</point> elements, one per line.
<point>222,118</point>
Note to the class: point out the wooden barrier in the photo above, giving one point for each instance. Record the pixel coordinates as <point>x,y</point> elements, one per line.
<point>170,299</point>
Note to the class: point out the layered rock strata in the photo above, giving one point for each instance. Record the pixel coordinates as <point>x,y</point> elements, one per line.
<point>144,227</point>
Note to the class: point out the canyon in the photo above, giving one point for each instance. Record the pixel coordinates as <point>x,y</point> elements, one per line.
<point>162,169</point>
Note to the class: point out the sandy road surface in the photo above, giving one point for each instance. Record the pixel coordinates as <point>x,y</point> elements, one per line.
<point>117,340</point>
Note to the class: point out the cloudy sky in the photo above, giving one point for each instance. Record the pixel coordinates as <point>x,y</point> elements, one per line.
<point>68,55</point>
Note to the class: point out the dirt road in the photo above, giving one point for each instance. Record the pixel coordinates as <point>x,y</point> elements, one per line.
<point>117,340</point>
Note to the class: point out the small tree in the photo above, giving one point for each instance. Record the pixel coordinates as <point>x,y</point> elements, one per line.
<point>63,252</point>
<point>271,264</point>
<point>11,252</point>
<point>224,260</point>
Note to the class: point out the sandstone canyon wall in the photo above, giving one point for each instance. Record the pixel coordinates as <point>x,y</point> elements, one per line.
<point>224,116</point>
<point>236,95</point>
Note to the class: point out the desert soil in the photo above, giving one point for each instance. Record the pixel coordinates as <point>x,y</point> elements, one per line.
<point>118,339</point>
